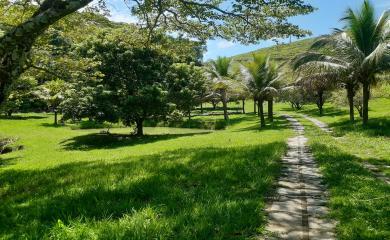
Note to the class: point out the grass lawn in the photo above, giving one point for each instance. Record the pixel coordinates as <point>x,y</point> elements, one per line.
<point>170,184</point>
<point>358,201</point>
<point>371,144</point>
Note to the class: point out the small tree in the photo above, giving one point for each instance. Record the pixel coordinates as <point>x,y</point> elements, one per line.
<point>294,95</point>
<point>317,85</point>
<point>187,85</point>
<point>53,94</point>
<point>149,101</point>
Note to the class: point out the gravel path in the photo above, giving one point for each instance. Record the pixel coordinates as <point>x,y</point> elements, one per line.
<point>299,208</point>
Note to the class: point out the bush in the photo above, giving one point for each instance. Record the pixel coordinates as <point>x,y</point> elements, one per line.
<point>212,124</point>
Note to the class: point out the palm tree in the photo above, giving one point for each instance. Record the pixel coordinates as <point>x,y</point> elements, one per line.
<point>260,77</point>
<point>219,72</point>
<point>358,53</point>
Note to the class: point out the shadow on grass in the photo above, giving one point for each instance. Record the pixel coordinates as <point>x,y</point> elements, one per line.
<point>359,201</point>
<point>18,117</point>
<point>110,141</point>
<point>279,123</point>
<point>375,127</point>
<point>208,193</point>
<point>328,111</point>
<point>6,161</point>
<point>52,125</point>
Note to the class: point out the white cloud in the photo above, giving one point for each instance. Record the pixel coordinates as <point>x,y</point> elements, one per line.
<point>122,17</point>
<point>225,44</point>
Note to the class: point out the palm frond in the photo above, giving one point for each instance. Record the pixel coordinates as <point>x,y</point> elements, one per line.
<point>379,57</point>
<point>310,57</point>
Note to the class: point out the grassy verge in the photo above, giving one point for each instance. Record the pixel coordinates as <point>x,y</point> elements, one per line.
<point>371,143</point>
<point>170,184</point>
<point>358,201</point>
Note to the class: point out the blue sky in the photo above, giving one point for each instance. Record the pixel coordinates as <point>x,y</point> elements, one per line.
<point>319,22</point>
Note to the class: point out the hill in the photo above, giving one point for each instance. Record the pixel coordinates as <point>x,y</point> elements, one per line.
<point>281,54</point>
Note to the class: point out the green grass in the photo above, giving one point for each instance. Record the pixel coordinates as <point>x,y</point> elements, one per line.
<point>371,143</point>
<point>358,200</point>
<point>170,184</point>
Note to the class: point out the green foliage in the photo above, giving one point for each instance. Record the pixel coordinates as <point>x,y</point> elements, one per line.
<point>261,77</point>
<point>357,54</point>
<point>21,96</point>
<point>187,85</point>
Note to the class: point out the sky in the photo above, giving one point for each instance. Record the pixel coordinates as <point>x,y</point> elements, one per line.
<point>320,22</point>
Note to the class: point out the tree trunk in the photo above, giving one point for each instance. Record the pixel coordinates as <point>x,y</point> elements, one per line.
<point>55,117</point>
<point>243,106</point>
<point>261,113</point>
<point>271,110</point>
<point>214,105</point>
<point>9,113</point>
<point>254,106</point>
<point>201,108</point>
<point>140,127</point>
<point>366,97</point>
<point>320,102</point>
<point>224,102</point>
<point>189,115</point>
<point>16,44</point>
<point>350,96</point>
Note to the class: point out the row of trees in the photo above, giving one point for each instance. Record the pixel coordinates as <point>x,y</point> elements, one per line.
<point>131,73</point>
<point>24,23</point>
<point>351,58</point>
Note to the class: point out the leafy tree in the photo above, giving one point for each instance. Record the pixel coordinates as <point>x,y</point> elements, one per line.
<point>244,20</point>
<point>358,53</point>
<point>20,94</point>
<point>149,101</point>
<point>187,85</point>
<point>53,94</point>
<point>317,85</point>
<point>296,96</point>
<point>261,76</point>
<point>137,82</point>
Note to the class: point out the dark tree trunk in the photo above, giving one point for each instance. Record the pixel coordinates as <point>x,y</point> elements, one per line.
<point>9,113</point>
<point>243,106</point>
<point>350,96</point>
<point>189,115</point>
<point>16,44</point>
<point>254,106</point>
<point>261,113</point>
<point>214,105</point>
<point>201,108</point>
<point>320,102</point>
<point>258,108</point>
<point>271,110</point>
<point>140,127</point>
<point>55,117</point>
<point>366,97</point>
<point>224,103</point>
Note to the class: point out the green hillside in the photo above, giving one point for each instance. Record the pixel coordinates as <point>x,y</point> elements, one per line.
<point>281,54</point>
